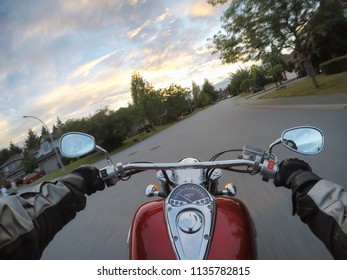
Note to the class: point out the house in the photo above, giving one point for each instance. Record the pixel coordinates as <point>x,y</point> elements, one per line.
<point>45,155</point>
<point>222,94</point>
<point>45,159</point>
<point>12,169</point>
<point>296,59</point>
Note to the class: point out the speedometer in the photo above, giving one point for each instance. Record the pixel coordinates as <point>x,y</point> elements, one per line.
<point>189,193</point>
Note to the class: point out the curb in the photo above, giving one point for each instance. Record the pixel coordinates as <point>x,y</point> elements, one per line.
<point>299,107</point>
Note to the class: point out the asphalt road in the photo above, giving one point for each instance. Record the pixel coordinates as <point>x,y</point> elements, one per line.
<point>100,231</point>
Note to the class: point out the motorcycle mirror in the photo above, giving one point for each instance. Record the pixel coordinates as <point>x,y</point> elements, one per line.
<point>306,140</point>
<point>75,144</point>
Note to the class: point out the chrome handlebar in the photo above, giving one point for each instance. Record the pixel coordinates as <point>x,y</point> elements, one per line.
<point>267,168</point>
<point>195,165</point>
<point>306,140</point>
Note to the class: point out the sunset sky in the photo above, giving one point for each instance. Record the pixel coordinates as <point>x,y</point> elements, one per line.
<point>69,58</point>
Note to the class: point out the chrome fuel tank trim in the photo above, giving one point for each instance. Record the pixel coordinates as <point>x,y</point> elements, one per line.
<point>190,213</point>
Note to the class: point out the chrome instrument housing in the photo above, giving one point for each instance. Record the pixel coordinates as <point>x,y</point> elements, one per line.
<point>190,212</point>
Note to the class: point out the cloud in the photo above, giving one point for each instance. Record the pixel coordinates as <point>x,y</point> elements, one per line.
<point>4,126</point>
<point>149,22</point>
<point>69,58</point>
<point>85,94</point>
<point>201,9</point>
<point>134,32</point>
<point>136,2</point>
<point>83,70</point>
<point>163,16</point>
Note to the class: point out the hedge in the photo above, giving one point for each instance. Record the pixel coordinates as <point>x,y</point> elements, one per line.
<point>334,66</point>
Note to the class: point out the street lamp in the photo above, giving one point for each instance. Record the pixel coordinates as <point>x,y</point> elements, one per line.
<point>51,138</point>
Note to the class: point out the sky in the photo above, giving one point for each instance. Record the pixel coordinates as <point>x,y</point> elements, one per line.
<point>69,58</point>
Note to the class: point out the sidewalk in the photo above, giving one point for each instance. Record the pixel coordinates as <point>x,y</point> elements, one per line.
<point>337,101</point>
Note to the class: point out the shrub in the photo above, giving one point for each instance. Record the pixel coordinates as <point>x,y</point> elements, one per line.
<point>255,90</point>
<point>334,66</point>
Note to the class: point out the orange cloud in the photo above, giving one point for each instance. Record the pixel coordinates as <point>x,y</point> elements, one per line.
<point>163,16</point>
<point>201,10</point>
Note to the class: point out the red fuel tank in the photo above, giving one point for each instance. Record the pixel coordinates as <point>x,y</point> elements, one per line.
<point>233,236</point>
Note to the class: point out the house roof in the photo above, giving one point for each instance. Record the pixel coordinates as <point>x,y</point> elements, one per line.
<point>12,159</point>
<point>57,133</point>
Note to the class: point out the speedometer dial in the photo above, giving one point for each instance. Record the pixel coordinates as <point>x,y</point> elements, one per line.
<point>189,194</point>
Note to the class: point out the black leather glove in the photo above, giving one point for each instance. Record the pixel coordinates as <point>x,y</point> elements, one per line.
<point>288,169</point>
<point>296,175</point>
<point>91,176</point>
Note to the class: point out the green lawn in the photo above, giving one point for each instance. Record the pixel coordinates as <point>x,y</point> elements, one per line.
<point>328,84</point>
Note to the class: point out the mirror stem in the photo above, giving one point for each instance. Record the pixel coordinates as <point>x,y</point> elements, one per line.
<point>98,148</point>
<point>278,141</point>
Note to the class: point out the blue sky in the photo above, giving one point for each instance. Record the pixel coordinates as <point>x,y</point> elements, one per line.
<point>69,58</point>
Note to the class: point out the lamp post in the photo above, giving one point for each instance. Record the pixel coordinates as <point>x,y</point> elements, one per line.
<point>51,138</point>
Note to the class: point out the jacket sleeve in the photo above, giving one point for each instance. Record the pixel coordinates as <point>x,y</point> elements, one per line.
<point>323,207</point>
<point>30,220</point>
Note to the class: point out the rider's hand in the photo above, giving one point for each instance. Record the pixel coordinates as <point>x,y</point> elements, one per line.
<point>288,169</point>
<point>91,176</point>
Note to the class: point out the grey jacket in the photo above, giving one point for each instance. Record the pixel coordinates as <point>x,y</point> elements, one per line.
<point>30,220</point>
<point>323,207</point>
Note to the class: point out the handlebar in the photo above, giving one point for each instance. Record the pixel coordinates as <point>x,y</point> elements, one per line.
<point>196,165</point>
<point>304,139</point>
<point>267,167</point>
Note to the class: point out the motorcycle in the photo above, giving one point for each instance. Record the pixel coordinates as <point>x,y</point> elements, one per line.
<point>192,219</point>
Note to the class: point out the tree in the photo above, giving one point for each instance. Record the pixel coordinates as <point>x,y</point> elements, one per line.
<point>276,72</point>
<point>6,153</point>
<point>237,79</point>
<point>125,120</point>
<point>138,88</point>
<point>203,100</point>
<point>195,93</point>
<point>153,106</point>
<point>273,58</point>
<point>14,150</point>
<point>146,99</point>
<point>203,97</point>
<point>28,161</point>
<point>246,85</point>
<point>208,89</point>
<point>138,93</point>
<point>31,142</point>
<point>328,38</point>
<point>44,131</point>
<point>176,102</point>
<point>59,124</point>
<point>80,125</point>
<point>258,78</point>
<point>104,129</point>
<point>253,28</point>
